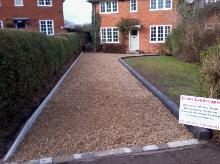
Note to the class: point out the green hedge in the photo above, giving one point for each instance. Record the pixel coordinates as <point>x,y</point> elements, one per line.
<point>28,61</point>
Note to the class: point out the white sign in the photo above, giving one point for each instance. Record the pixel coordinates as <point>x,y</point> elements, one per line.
<point>199,111</point>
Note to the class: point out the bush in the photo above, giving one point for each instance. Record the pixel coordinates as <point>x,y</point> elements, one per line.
<point>210,69</point>
<point>173,41</point>
<point>113,48</point>
<point>28,61</point>
<point>187,41</point>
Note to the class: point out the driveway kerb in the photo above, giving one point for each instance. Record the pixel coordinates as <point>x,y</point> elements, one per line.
<point>114,152</point>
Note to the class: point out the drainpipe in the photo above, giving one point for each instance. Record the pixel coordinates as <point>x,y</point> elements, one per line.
<point>94,25</point>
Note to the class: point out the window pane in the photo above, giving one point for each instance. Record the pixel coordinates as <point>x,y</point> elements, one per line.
<point>48,2</point>
<point>153,4</point>
<point>45,2</point>
<point>103,35</point>
<point>115,35</point>
<point>153,34</point>
<point>102,7</point>
<point>43,27</point>
<point>160,33</point>
<point>115,6</point>
<point>109,34</point>
<point>109,4</point>
<point>160,4</point>
<point>167,3</point>
<point>133,5</point>
<point>46,26</point>
<point>49,27</point>
<point>18,2</point>
<point>167,31</point>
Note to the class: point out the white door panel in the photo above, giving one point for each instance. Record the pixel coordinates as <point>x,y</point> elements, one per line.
<point>134,40</point>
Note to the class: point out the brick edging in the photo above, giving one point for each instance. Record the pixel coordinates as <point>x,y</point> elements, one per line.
<point>113,152</point>
<point>200,133</point>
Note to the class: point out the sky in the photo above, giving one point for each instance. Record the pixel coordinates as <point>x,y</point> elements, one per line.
<point>77,11</point>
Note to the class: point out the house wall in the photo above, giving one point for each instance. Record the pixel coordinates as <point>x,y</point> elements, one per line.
<point>145,16</point>
<point>30,10</point>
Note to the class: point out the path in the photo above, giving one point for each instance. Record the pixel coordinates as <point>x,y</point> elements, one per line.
<point>100,106</point>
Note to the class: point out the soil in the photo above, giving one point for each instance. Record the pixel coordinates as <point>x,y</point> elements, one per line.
<point>26,110</point>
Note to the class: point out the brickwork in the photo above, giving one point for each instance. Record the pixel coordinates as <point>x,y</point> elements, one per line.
<point>146,18</point>
<point>34,12</point>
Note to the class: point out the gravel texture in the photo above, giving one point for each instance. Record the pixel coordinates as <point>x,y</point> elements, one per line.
<point>100,106</point>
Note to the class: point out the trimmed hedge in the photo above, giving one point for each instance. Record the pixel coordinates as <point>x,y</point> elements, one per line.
<point>28,60</point>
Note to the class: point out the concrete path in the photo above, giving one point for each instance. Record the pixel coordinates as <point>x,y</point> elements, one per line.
<point>100,106</point>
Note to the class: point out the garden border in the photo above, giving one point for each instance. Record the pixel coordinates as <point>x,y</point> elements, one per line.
<point>200,133</point>
<point>30,122</point>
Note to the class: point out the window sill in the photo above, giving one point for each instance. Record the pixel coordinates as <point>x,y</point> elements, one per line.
<point>108,13</point>
<point>156,42</point>
<point>133,11</point>
<point>110,43</point>
<point>161,9</point>
<point>45,5</point>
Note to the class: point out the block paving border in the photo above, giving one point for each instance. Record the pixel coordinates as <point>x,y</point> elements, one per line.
<point>113,152</point>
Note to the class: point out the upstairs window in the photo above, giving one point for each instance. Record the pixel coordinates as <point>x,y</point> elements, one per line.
<point>44,3</point>
<point>108,7</point>
<point>158,34</point>
<point>133,5</point>
<point>160,4</point>
<point>109,35</point>
<point>47,27</point>
<point>211,1</point>
<point>18,2</point>
<point>1,24</point>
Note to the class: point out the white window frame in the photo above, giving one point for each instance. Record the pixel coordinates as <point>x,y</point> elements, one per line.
<point>44,5</point>
<point>112,34</point>
<point>164,38</point>
<point>2,24</point>
<point>136,3</point>
<point>105,6</point>
<point>211,1</point>
<point>46,32</point>
<point>164,5</point>
<point>20,4</point>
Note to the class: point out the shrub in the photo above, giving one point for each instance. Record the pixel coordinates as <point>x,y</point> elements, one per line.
<point>173,41</point>
<point>162,50</point>
<point>191,37</point>
<point>28,61</point>
<point>114,48</point>
<point>210,69</point>
<point>187,41</point>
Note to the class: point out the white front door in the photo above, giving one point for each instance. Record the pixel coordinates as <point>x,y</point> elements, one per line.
<point>134,40</point>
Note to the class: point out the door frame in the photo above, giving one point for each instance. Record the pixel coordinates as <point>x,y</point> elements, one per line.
<point>130,39</point>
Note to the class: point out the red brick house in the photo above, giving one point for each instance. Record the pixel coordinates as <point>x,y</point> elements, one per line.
<point>156,20</point>
<point>44,16</point>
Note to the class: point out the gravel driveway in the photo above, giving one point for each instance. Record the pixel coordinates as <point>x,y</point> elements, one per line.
<point>100,106</point>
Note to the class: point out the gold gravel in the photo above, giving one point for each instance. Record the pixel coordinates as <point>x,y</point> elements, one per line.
<point>100,106</point>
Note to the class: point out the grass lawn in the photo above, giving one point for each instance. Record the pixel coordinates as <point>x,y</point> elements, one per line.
<point>169,75</point>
